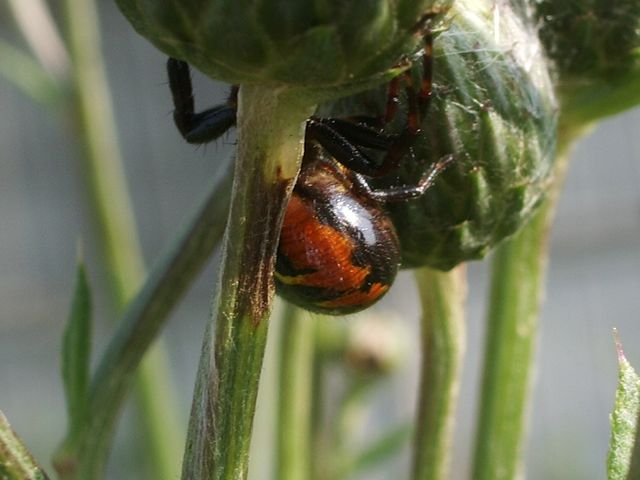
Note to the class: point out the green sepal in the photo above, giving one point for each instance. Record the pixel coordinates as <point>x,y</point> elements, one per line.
<point>624,423</point>
<point>76,352</point>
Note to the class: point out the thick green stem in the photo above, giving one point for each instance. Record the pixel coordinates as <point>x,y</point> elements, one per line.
<point>518,270</point>
<point>16,462</point>
<point>442,296</point>
<point>271,125</point>
<point>114,217</point>
<point>516,292</point>
<point>294,400</point>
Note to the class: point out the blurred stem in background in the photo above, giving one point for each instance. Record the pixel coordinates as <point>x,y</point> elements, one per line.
<point>39,30</point>
<point>363,354</point>
<point>114,214</point>
<point>82,67</point>
<point>442,295</point>
<point>293,452</point>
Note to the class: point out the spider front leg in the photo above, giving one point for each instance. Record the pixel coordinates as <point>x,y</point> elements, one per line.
<point>345,139</point>
<point>200,127</point>
<point>403,192</point>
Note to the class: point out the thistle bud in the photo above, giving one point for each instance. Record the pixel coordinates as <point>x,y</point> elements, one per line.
<point>493,110</point>
<point>305,43</point>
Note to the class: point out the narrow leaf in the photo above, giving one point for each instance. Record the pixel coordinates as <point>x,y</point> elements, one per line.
<point>76,351</point>
<point>16,463</point>
<point>28,76</point>
<point>624,420</point>
<point>382,449</point>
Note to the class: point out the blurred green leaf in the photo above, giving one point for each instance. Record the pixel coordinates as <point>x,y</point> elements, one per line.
<point>382,449</point>
<point>28,76</point>
<point>76,351</point>
<point>624,420</point>
<point>16,463</point>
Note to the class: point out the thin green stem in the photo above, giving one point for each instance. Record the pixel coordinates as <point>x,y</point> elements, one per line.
<point>442,296</point>
<point>294,400</point>
<point>516,291</point>
<point>16,462</point>
<point>271,125</point>
<point>144,318</point>
<point>114,217</point>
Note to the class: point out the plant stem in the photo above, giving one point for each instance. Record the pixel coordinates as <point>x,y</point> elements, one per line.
<point>16,462</point>
<point>114,217</point>
<point>271,127</point>
<point>516,291</point>
<point>144,318</point>
<point>39,29</point>
<point>442,296</point>
<point>294,400</point>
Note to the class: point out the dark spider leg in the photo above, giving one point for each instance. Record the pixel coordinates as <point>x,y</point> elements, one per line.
<point>357,132</point>
<point>393,100</point>
<point>404,192</point>
<point>201,127</point>
<point>427,72</point>
<point>343,150</point>
<point>340,137</point>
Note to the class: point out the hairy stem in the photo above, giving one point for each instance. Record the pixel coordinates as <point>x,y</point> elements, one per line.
<point>271,126</point>
<point>114,217</point>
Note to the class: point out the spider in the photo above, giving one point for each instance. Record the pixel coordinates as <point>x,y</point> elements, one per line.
<point>338,251</point>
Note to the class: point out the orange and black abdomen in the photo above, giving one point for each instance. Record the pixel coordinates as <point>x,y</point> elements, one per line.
<point>338,253</point>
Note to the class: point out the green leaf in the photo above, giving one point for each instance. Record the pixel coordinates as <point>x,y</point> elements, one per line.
<point>382,449</point>
<point>624,420</point>
<point>76,351</point>
<point>16,462</point>
<point>28,76</point>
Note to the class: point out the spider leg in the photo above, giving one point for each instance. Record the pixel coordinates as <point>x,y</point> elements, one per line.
<point>417,105</point>
<point>343,138</point>
<point>355,131</point>
<point>343,149</point>
<point>427,71</point>
<point>404,192</point>
<point>197,127</point>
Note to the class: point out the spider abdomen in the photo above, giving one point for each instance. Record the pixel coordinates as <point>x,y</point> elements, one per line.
<point>338,252</point>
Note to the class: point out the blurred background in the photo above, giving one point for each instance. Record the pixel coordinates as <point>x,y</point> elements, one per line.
<point>593,279</point>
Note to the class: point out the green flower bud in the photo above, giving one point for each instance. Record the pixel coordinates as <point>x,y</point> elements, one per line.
<point>590,38</point>
<point>595,48</point>
<point>493,109</point>
<point>308,43</point>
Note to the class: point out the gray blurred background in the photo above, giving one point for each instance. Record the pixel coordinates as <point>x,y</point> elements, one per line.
<point>593,281</point>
